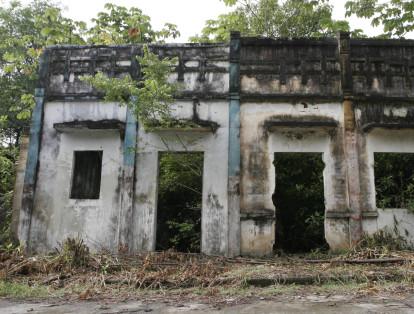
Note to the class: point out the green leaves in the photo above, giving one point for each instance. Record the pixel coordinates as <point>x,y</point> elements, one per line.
<point>219,30</point>
<point>115,89</point>
<point>8,156</point>
<point>395,16</point>
<point>230,2</point>
<point>153,94</point>
<point>120,25</point>
<point>273,18</point>
<point>24,31</point>
<point>394,180</point>
<point>179,201</point>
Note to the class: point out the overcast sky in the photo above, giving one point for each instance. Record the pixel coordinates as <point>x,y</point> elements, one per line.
<point>189,15</point>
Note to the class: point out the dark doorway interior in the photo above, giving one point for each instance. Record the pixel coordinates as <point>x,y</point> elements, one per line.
<point>394,180</point>
<point>299,202</point>
<point>179,201</point>
<point>86,177</point>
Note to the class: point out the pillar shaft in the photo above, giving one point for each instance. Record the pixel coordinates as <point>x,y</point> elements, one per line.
<point>128,182</point>
<point>30,176</point>
<point>351,149</point>
<point>234,148</point>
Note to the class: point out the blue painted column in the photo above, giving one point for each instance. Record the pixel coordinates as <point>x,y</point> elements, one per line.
<point>128,181</point>
<point>234,147</point>
<point>30,176</point>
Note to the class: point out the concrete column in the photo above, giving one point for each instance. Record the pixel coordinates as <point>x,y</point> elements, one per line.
<point>144,219</point>
<point>127,182</point>
<point>234,148</point>
<point>351,150</point>
<point>30,176</point>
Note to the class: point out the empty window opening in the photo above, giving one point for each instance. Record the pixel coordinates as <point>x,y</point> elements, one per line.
<point>394,180</point>
<point>299,201</point>
<point>179,201</point>
<point>86,176</point>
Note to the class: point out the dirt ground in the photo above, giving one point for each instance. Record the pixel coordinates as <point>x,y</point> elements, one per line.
<point>368,281</point>
<point>271,304</point>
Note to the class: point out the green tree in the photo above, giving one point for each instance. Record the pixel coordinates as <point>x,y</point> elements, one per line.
<point>395,16</point>
<point>8,156</point>
<point>25,30</point>
<point>273,18</point>
<point>120,25</point>
<point>154,90</point>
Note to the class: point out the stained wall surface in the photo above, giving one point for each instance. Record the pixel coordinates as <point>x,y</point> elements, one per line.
<point>56,216</point>
<point>247,99</point>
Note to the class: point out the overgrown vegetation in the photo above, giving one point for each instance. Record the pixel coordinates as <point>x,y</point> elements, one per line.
<point>384,238</point>
<point>154,90</point>
<point>274,18</point>
<point>395,16</point>
<point>394,180</point>
<point>73,271</point>
<point>383,243</point>
<point>179,201</point>
<point>299,201</point>
<point>22,290</point>
<point>25,30</point>
<point>8,157</point>
<point>74,253</point>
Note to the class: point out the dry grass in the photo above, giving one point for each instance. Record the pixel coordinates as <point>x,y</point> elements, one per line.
<point>74,271</point>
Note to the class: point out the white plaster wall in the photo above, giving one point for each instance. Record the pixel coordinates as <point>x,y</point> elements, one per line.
<point>214,82</point>
<point>303,141</point>
<point>256,141</point>
<point>388,141</point>
<point>257,239</point>
<point>55,215</point>
<point>214,199</point>
<point>297,139</point>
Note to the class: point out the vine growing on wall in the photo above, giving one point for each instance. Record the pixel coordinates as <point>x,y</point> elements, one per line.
<point>149,98</point>
<point>180,178</point>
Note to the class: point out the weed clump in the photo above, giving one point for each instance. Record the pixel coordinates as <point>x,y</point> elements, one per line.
<point>74,253</point>
<point>383,243</point>
<point>385,239</point>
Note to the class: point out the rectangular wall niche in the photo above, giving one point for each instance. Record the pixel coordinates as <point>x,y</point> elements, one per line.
<point>86,176</point>
<point>179,201</point>
<point>394,180</point>
<point>300,202</point>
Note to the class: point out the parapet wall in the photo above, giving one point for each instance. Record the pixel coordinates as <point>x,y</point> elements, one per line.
<point>269,69</point>
<point>202,69</point>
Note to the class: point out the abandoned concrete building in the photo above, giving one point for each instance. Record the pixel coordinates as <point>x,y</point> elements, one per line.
<point>345,99</point>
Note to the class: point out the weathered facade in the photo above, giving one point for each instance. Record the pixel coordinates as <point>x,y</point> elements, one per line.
<point>345,98</point>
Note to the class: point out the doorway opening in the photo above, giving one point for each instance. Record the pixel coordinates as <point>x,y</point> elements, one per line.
<point>300,203</point>
<point>180,184</point>
<point>394,180</point>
